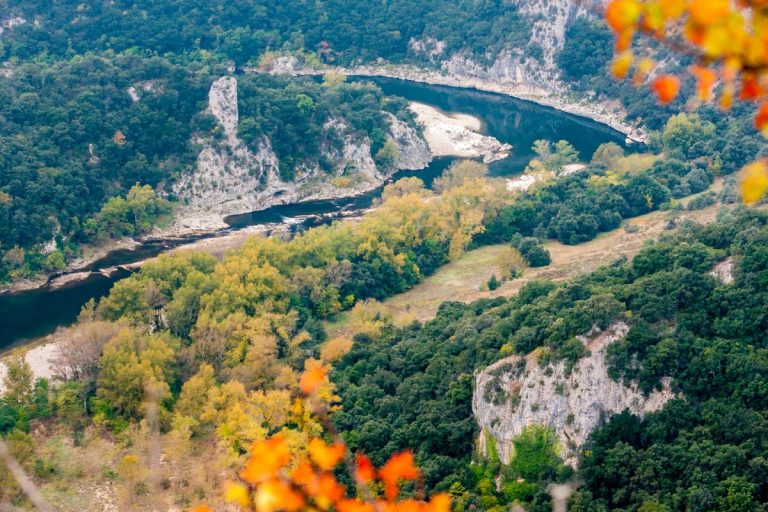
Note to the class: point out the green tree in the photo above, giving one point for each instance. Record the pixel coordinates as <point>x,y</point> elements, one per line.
<point>387,156</point>
<point>685,134</point>
<point>608,154</point>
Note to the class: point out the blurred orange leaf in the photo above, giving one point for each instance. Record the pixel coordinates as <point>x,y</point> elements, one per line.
<point>364,470</point>
<point>666,88</point>
<point>708,12</point>
<point>354,506</point>
<point>705,80</point>
<point>399,467</point>
<point>621,64</point>
<point>755,183</point>
<point>267,458</point>
<point>325,456</point>
<point>311,379</point>
<point>274,495</point>
<point>237,493</point>
<point>761,119</point>
<point>622,14</point>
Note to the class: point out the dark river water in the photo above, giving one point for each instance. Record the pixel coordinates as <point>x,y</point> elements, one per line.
<point>31,314</point>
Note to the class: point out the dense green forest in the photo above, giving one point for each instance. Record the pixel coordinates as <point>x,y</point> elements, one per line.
<point>576,208</point>
<point>343,31</point>
<point>71,137</point>
<point>413,386</point>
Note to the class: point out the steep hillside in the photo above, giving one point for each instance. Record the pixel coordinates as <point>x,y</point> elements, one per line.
<point>233,176</point>
<point>79,135</point>
<point>657,327</point>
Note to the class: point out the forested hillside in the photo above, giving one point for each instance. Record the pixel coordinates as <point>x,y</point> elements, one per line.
<point>413,387</point>
<point>73,137</point>
<point>99,97</point>
<point>269,376</point>
<point>78,135</point>
<point>342,30</point>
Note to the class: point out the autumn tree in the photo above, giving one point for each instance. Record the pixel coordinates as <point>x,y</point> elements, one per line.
<point>131,364</point>
<point>459,172</point>
<point>18,380</point>
<point>726,42</point>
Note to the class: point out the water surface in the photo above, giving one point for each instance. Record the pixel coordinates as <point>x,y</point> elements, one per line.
<point>31,314</point>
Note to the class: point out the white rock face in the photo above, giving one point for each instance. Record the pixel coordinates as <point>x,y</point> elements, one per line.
<point>231,178</point>
<point>413,150</point>
<point>516,392</point>
<point>551,19</point>
<point>723,271</point>
<point>10,23</point>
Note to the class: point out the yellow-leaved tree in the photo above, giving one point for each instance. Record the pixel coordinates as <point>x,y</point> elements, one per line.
<point>726,39</point>
<point>290,472</point>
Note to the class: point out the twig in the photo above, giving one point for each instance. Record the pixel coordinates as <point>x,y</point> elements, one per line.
<point>25,483</point>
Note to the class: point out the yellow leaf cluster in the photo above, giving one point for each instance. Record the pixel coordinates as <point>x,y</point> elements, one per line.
<point>727,39</point>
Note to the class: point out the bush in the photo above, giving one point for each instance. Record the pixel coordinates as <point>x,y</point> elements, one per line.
<point>703,201</point>
<point>533,251</point>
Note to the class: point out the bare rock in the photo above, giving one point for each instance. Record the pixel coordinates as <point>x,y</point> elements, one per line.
<point>723,271</point>
<point>457,135</point>
<point>517,392</point>
<point>233,178</point>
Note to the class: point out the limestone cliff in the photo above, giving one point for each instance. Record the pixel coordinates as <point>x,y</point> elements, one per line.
<point>232,178</point>
<point>538,75</point>
<point>517,391</point>
<point>513,71</point>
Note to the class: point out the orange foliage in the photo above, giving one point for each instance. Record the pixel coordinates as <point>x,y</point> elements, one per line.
<point>326,456</point>
<point>274,480</point>
<point>666,88</point>
<point>312,379</point>
<point>268,458</point>
<point>727,39</point>
<point>399,467</point>
<point>364,470</point>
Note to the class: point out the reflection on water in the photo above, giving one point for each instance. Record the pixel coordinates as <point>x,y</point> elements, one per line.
<point>35,313</point>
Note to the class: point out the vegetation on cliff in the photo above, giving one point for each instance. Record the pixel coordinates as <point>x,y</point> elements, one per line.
<point>78,135</point>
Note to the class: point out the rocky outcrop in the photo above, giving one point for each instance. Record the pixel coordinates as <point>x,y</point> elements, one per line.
<point>527,72</point>
<point>232,178</point>
<point>513,71</point>
<point>413,151</point>
<point>517,392</point>
<point>723,271</point>
<point>11,23</point>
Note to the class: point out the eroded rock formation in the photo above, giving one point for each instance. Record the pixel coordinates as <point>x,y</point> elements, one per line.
<point>517,391</point>
<point>233,178</point>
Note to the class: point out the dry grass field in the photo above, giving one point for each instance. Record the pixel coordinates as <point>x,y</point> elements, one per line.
<point>464,279</point>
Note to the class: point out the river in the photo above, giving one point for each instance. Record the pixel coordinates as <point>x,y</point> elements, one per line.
<point>31,314</point>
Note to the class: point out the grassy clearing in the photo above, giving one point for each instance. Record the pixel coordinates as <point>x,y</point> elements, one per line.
<point>462,280</point>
